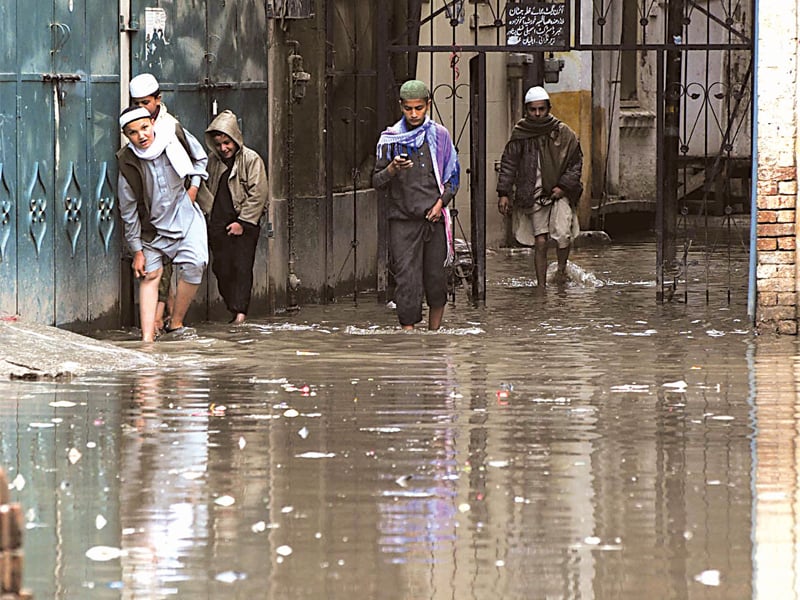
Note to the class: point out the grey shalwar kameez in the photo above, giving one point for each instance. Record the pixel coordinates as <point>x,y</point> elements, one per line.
<point>418,247</point>
<point>179,224</point>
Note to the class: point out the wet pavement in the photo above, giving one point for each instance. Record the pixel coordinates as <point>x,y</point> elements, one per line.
<point>585,443</point>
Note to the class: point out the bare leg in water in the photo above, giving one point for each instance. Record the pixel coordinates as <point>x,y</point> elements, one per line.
<point>183,298</point>
<point>148,299</point>
<point>563,255</point>
<point>435,317</point>
<point>540,260</point>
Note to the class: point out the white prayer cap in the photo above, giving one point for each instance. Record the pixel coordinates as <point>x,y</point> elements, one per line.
<point>143,85</point>
<point>129,115</point>
<point>536,93</point>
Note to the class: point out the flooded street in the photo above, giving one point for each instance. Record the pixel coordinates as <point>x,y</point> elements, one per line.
<point>585,443</point>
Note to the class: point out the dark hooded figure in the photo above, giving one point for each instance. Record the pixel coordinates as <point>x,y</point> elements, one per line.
<point>237,181</point>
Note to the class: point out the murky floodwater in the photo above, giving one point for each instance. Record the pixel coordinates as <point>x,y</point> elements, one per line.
<point>587,443</point>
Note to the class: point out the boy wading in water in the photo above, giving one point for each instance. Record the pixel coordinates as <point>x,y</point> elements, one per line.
<point>159,176</point>
<point>417,163</point>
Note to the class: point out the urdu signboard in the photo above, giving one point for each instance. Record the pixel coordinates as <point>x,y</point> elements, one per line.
<point>534,24</point>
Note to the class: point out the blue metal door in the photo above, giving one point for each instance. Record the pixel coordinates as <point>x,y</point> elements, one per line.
<point>209,57</point>
<point>8,162</point>
<point>59,243</point>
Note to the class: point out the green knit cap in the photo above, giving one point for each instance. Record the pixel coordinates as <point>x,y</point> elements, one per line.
<point>414,89</point>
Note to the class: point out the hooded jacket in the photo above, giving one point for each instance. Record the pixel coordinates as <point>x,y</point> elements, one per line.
<point>247,177</point>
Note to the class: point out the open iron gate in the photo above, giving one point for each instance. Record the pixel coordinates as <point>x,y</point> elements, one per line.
<point>703,50</point>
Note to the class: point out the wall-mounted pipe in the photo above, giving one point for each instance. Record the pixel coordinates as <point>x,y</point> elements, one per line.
<point>752,280</point>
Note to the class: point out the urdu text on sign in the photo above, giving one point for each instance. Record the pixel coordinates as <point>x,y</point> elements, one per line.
<point>536,24</point>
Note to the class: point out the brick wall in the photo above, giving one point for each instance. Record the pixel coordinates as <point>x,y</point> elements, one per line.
<point>776,245</point>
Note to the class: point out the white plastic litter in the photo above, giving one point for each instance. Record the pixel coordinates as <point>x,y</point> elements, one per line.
<point>103,553</point>
<point>710,577</point>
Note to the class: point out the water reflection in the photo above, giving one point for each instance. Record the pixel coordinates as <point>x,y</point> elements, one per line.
<point>586,443</point>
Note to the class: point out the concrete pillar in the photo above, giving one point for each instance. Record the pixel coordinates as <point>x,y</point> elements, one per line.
<point>777,92</point>
<point>309,168</point>
<point>276,167</point>
<point>297,153</point>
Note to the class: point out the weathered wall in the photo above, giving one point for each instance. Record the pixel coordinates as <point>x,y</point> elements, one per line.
<point>310,253</point>
<point>777,169</point>
<point>315,242</point>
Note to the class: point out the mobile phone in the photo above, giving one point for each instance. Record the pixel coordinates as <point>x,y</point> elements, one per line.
<point>403,155</point>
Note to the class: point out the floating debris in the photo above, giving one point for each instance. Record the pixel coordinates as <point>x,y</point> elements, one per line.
<point>230,576</point>
<point>315,455</point>
<point>103,553</point>
<point>258,527</point>
<point>274,381</point>
<point>74,455</point>
<point>630,387</point>
<point>677,386</point>
<point>242,443</point>
<point>403,481</point>
<point>291,413</point>
<point>406,494</point>
<point>592,540</point>
<point>225,501</point>
<point>62,404</point>
<point>303,433</point>
<point>710,577</point>
<point>284,550</point>
<point>100,522</point>
<point>381,429</point>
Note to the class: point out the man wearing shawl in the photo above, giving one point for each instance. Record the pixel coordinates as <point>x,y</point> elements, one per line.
<point>543,162</point>
<point>159,177</point>
<point>418,165</point>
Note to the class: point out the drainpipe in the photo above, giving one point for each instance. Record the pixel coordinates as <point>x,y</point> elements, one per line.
<point>752,280</point>
<point>297,88</point>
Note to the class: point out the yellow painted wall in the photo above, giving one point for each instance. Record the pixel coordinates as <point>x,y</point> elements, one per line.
<point>575,109</point>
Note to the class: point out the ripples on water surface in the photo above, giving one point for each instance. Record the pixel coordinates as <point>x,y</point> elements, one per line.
<point>588,443</point>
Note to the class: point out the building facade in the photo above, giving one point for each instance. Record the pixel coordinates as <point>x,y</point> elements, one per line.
<point>305,79</point>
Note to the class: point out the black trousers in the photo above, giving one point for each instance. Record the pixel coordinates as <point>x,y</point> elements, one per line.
<point>418,250</point>
<point>232,264</point>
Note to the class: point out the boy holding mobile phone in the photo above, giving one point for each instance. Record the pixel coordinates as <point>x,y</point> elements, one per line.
<point>417,165</point>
